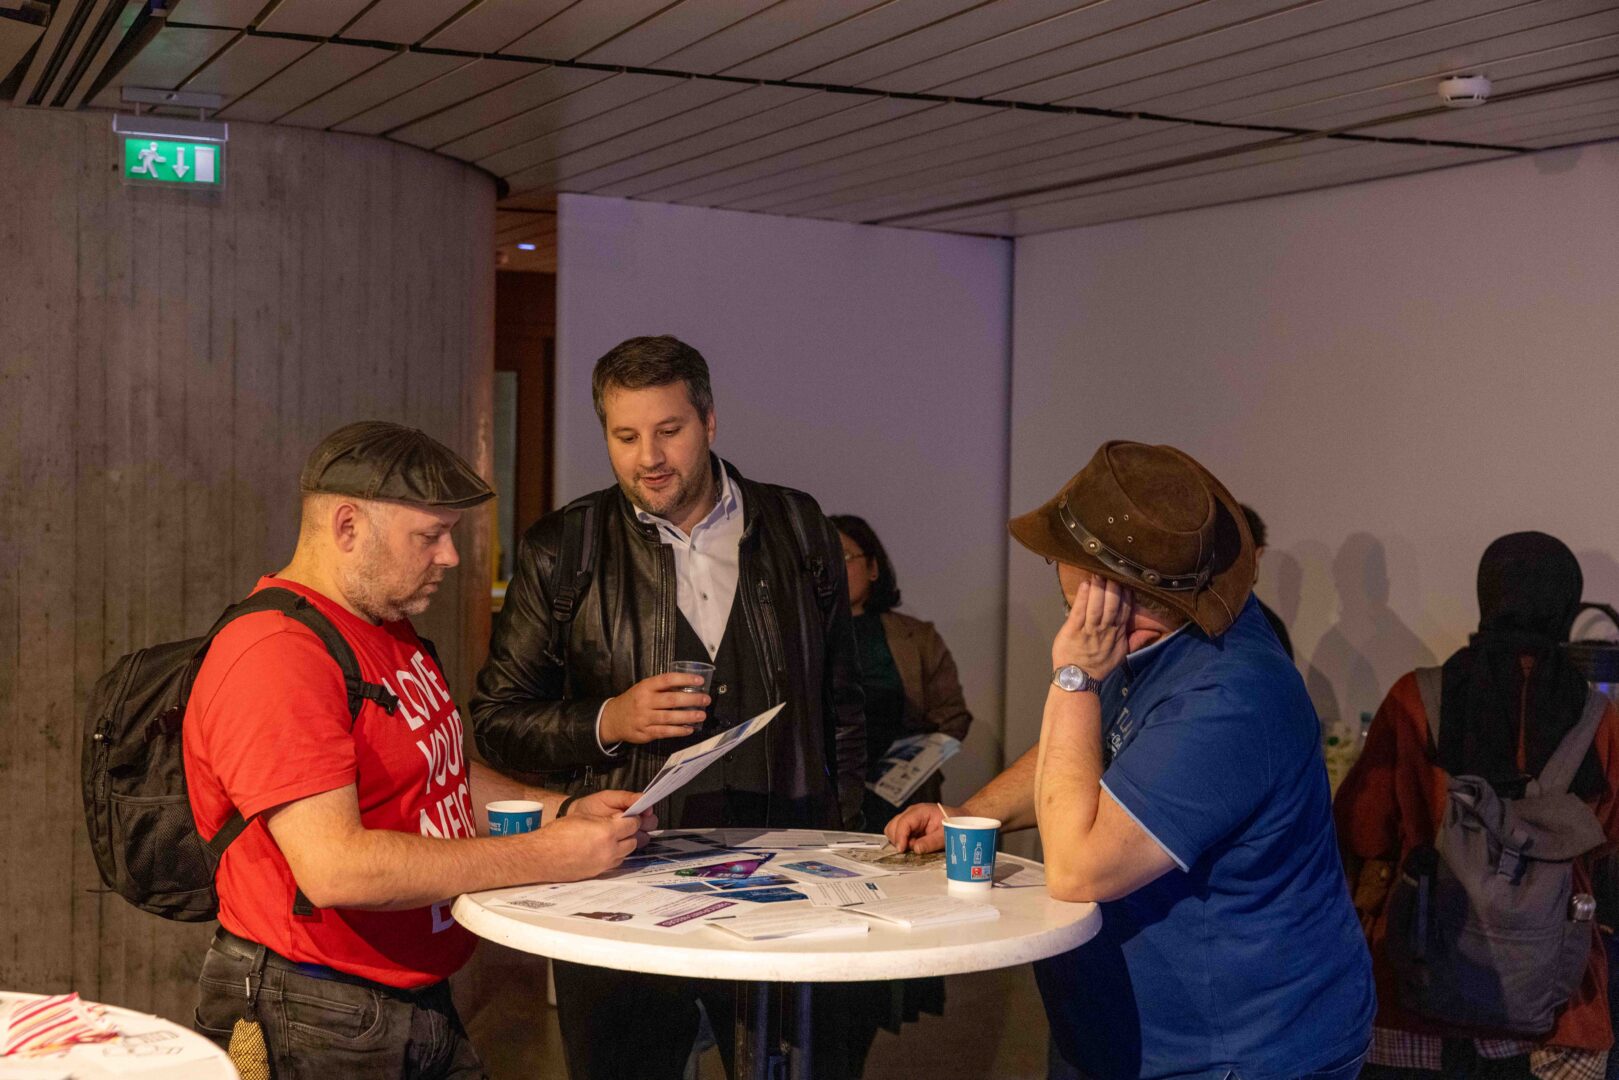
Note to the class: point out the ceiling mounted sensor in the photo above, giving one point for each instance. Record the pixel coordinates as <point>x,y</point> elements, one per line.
<point>1464,91</point>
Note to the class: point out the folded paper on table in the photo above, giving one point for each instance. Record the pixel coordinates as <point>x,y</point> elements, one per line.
<point>622,904</point>
<point>837,894</point>
<point>928,912</point>
<point>772,923</point>
<point>909,762</point>
<point>684,765</point>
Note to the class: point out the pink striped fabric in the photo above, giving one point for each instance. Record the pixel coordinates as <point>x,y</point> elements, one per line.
<point>43,1025</point>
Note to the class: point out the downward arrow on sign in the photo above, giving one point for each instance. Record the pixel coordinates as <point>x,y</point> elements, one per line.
<point>180,166</point>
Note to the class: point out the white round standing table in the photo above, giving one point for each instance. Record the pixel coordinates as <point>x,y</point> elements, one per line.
<point>151,1047</point>
<point>1032,926</point>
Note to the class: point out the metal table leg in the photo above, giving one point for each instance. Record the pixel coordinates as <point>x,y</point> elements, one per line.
<point>753,1057</point>
<point>800,1028</point>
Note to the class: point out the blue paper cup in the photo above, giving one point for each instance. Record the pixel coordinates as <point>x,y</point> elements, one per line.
<point>512,816</point>
<point>969,845</point>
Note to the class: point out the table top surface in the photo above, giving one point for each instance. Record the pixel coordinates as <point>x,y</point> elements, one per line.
<point>1031,926</point>
<point>151,1047</point>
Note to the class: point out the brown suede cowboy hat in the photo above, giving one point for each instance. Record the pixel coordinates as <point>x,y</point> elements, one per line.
<point>1152,518</point>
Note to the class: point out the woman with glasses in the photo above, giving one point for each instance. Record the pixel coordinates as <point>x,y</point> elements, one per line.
<point>905,669</point>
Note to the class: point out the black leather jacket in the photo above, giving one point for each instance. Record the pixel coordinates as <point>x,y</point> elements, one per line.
<point>531,716</point>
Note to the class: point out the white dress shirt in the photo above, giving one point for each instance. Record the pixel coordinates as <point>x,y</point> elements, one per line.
<point>707,566</point>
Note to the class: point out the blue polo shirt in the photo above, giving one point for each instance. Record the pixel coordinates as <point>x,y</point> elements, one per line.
<point>1248,958</point>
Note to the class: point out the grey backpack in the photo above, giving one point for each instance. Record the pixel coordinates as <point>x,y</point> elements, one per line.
<point>1484,930</point>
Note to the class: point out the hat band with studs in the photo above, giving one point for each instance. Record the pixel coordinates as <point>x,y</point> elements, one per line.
<point>1118,563</point>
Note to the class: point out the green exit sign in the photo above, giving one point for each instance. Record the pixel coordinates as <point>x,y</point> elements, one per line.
<point>173,162</point>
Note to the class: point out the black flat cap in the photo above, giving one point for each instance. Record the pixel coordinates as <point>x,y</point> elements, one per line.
<point>374,459</point>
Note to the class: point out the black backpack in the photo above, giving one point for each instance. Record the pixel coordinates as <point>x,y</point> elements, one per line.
<point>142,834</point>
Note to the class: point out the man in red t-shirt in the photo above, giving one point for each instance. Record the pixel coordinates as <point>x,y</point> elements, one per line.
<point>335,929</point>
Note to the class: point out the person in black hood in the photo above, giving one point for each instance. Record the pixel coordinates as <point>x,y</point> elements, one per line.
<point>1515,666</point>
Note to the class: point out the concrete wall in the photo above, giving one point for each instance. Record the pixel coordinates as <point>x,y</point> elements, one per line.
<point>167,361</point>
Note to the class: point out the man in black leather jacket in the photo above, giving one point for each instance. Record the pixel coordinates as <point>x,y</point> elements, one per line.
<point>687,560</point>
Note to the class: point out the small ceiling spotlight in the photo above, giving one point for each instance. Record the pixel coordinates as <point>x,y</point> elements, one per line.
<point>527,247</point>
<point>1464,91</point>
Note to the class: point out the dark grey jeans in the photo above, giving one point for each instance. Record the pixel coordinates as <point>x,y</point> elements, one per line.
<point>323,1029</point>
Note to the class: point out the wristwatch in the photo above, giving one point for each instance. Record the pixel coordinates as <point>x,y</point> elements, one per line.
<point>1072,678</point>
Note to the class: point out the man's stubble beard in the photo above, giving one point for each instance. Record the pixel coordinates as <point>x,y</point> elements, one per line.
<point>686,494</point>
<point>372,593</point>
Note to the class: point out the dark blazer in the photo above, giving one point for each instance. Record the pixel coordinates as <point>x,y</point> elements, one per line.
<point>535,716</point>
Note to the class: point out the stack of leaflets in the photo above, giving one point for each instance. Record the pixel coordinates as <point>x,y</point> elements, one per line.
<point>928,912</point>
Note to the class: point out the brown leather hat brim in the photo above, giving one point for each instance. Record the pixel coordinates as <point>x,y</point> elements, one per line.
<point>1213,609</point>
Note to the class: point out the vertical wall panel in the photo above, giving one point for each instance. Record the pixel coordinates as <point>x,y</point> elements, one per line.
<point>167,359</point>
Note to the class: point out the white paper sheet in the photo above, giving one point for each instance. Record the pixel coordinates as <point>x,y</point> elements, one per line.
<point>801,922</point>
<point>909,762</point>
<point>621,904</point>
<point>925,912</point>
<point>685,764</point>
<point>837,894</point>
<point>820,866</point>
<point>772,839</point>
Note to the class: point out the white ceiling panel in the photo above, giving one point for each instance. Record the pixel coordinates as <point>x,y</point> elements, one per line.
<point>1238,47</point>
<point>1004,66</point>
<point>16,38</point>
<point>237,13</point>
<point>878,61</point>
<point>397,74</point>
<point>688,157</point>
<point>1255,180</point>
<point>583,26</point>
<point>407,22</point>
<point>776,26</point>
<point>686,108</point>
<point>988,132</point>
<point>248,62</point>
<point>445,92</point>
<point>871,123</point>
<point>164,64</point>
<point>493,24</point>
<point>1462,46</point>
<point>300,83</point>
<point>676,28</point>
<point>1575,138</point>
<point>597,99</point>
<point>321,18</point>
<point>791,116</point>
<point>866,30</point>
<point>488,111</point>
<point>1001,116</point>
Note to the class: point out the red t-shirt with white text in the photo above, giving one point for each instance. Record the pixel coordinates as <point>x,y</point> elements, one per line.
<point>268,723</point>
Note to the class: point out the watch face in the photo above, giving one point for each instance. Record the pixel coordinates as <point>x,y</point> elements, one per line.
<point>1070,677</point>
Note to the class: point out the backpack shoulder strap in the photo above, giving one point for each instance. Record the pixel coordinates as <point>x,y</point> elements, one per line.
<point>301,611</point>
<point>570,574</point>
<point>1430,684</point>
<point>798,506</point>
<point>1565,760</point>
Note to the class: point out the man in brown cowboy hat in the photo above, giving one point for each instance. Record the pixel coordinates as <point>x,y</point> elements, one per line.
<point>1178,782</point>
